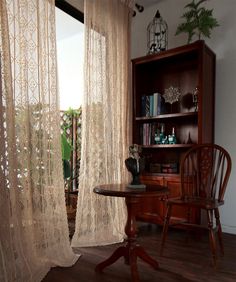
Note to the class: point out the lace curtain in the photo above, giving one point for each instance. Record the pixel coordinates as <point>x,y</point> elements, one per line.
<point>106,120</point>
<point>34,232</point>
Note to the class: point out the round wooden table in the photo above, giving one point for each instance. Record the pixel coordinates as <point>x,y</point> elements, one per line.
<point>131,250</point>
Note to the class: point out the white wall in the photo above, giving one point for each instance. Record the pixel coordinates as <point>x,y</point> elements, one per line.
<point>223,43</point>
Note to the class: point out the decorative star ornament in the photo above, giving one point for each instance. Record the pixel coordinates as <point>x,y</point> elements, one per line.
<point>171,95</point>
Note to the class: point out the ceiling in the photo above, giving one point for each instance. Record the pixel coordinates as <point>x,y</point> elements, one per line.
<point>145,3</point>
<point>68,26</point>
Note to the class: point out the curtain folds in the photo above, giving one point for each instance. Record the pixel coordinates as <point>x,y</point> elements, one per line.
<point>106,121</point>
<point>34,232</point>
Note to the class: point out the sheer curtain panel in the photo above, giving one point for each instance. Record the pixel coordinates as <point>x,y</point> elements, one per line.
<point>106,113</point>
<point>33,230</point>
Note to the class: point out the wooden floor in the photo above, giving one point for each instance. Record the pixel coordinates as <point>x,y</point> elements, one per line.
<point>184,260</point>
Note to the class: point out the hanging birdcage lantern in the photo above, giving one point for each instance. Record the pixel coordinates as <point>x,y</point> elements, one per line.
<point>157,35</point>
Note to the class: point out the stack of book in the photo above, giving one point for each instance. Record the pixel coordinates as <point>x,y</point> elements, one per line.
<point>147,133</point>
<point>169,168</point>
<point>152,105</point>
<point>164,167</point>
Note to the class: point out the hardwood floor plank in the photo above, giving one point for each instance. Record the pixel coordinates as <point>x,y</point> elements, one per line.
<point>183,262</point>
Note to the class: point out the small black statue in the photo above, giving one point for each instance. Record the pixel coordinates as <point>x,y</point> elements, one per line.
<point>135,165</point>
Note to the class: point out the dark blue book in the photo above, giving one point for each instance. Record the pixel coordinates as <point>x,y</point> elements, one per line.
<point>143,106</point>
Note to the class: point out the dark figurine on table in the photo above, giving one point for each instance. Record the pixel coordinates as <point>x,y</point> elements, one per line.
<point>135,166</point>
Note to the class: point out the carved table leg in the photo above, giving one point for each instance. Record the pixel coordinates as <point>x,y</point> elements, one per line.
<point>131,251</point>
<point>121,251</point>
<point>134,249</point>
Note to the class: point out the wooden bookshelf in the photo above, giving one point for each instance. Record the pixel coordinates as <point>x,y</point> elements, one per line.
<point>187,68</point>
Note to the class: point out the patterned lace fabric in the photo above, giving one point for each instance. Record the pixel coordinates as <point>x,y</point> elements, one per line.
<point>34,231</point>
<point>106,120</point>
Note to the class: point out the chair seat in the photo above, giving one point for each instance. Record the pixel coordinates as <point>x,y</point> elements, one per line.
<point>196,202</point>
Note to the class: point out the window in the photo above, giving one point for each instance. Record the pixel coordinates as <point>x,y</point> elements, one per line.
<point>70,60</point>
<point>70,57</point>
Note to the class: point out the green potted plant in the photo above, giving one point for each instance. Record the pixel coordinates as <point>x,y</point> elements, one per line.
<point>66,143</point>
<point>71,147</point>
<point>199,21</point>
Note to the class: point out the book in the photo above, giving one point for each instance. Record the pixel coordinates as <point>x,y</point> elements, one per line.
<point>143,106</point>
<point>155,103</point>
<point>147,106</point>
<point>151,105</point>
<point>159,98</point>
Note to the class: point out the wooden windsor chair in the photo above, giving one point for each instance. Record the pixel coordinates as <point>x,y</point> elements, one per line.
<point>205,170</point>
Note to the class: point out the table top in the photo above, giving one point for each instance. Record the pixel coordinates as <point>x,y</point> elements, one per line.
<point>122,190</point>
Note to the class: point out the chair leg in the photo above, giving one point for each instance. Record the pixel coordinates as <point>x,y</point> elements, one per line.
<point>187,233</point>
<point>165,227</point>
<point>219,230</point>
<point>211,235</point>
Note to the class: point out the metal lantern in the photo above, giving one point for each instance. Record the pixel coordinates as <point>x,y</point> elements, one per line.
<point>157,35</point>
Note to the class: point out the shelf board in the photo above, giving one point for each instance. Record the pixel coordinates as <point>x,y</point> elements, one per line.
<point>172,53</point>
<point>168,146</point>
<point>167,116</point>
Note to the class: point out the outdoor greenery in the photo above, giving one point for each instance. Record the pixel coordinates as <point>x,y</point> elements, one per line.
<point>199,21</point>
<point>67,145</point>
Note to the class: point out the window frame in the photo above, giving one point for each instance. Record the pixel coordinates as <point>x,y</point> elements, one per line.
<point>70,10</point>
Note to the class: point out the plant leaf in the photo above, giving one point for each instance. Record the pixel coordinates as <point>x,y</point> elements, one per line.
<point>66,169</point>
<point>65,147</point>
<point>191,5</point>
<point>207,22</point>
<point>199,3</point>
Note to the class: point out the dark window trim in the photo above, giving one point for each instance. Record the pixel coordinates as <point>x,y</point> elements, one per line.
<point>70,10</point>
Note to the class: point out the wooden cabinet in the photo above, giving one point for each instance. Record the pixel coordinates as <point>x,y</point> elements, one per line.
<point>152,210</point>
<point>186,69</point>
